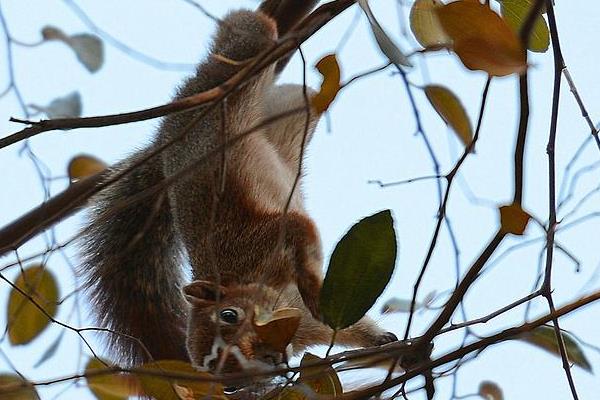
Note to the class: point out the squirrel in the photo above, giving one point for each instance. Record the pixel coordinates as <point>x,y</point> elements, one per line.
<point>227,220</point>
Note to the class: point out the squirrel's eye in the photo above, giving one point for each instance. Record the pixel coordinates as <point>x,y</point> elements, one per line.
<point>230,390</point>
<point>229,316</point>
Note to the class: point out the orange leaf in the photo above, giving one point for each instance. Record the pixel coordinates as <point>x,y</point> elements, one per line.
<point>449,107</point>
<point>490,391</point>
<point>329,68</point>
<point>163,388</point>
<point>278,328</point>
<point>482,39</point>
<point>83,166</point>
<point>113,386</point>
<point>513,219</point>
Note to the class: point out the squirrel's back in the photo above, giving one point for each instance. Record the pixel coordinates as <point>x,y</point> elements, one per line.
<point>132,243</point>
<point>236,214</point>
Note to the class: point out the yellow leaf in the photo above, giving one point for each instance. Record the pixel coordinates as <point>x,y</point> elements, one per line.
<point>183,392</point>
<point>113,386</point>
<point>425,25</point>
<point>174,389</point>
<point>513,219</point>
<point>25,320</point>
<point>12,388</point>
<point>482,39</point>
<point>329,68</point>
<point>515,12</point>
<point>277,328</point>
<point>321,379</point>
<point>449,107</point>
<point>313,381</point>
<point>288,393</point>
<point>83,166</point>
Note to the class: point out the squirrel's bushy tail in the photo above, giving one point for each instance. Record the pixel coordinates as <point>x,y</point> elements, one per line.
<point>132,267</point>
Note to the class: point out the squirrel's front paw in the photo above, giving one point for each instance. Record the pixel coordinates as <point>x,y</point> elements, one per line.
<point>386,337</point>
<point>312,303</point>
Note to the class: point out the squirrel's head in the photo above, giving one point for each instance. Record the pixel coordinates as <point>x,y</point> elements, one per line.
<point>223,332</point>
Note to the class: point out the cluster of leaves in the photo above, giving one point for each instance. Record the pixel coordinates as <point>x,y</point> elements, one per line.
<point>34,300</point>
<point>359,270</point>
<point>89,50</point>
<point>488,43</point>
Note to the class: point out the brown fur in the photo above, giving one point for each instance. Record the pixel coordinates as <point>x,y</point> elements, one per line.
<point>229,220</point>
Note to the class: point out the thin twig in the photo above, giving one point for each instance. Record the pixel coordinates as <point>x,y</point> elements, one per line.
<point>449,178</point>
<point>546,289</point>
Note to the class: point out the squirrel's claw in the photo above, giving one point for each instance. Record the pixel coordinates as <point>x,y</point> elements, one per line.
<point>386,337</point>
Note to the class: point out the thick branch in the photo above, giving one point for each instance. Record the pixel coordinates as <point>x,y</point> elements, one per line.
<point>479,345</point>
<point>286,45</point>
<point>392,350</point>
<point>65,204</point>
<point>45,215</point>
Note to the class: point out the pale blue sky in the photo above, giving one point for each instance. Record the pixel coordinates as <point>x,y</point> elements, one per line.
<point>371,137</point>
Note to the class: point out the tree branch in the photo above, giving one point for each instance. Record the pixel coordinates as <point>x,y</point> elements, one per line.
<point>282,48</point>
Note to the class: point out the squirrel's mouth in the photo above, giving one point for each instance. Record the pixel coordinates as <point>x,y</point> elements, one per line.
<point>257,351</point>
<point>271,358</point>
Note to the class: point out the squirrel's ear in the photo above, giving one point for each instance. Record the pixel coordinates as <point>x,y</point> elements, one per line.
<point>203,293</point>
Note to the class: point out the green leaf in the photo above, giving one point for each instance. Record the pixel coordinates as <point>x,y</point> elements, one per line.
<point>10,388</point>
<point>449,107</point>
<point>68,106</point>
<point>385,43</point>
<point>545,338</point>
<point>25,320</point>
<point>515,12</point>
<point>359,270</point>
<point>112,386</point>
<point>174,389</point>
<point>89,49</point>
<point>425,24</point>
